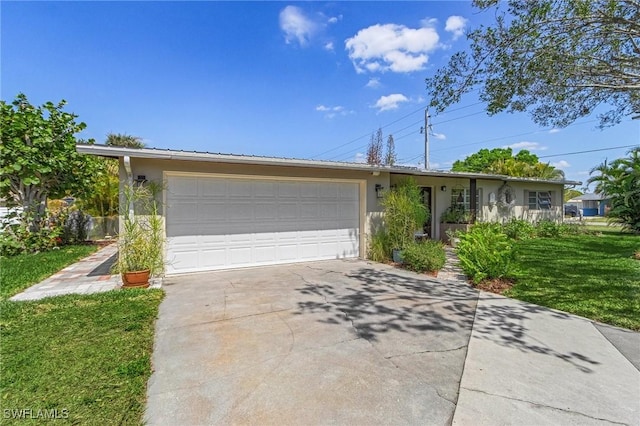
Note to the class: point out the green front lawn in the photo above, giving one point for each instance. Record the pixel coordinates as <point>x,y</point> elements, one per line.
<point>19,272</point>
<point>594,276</point>
<point>87,357</point>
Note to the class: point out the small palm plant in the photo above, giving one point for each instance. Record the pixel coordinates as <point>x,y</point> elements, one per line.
<point>141,243</point>
<point>404,213</point>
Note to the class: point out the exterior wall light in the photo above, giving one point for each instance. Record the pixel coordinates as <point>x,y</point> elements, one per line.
<point>443,188</point>
<point>379,190</point>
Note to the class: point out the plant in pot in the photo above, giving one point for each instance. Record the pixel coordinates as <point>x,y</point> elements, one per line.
<point>140,245</point>
<point>404,213</point>
<point>454,220</point>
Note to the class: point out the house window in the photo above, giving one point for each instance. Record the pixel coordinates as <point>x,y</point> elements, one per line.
<point>461,198</point>
<point>539,200</point>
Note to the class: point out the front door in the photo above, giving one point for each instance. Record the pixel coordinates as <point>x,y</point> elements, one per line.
<point>426,197</point>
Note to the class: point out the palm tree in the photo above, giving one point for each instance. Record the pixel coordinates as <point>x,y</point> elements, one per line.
<point>514,167</point>
<point>124,140</point>
<point>620,181</point>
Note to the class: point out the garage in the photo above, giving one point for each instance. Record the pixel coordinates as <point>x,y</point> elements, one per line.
<point>226,221</point>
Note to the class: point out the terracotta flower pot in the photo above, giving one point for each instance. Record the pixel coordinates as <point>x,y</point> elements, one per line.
<point>136,279</point>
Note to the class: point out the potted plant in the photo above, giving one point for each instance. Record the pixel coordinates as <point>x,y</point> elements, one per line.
<point>404,213</point>
<point>140,245</point>
<point>453,220</point>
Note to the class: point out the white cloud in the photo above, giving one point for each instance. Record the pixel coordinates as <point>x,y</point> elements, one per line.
<point>562,164</point>
<point>332,111</point>
<point>455,25</point>
<point>296,25</point>
<point>360,158</point>
<point>391,47</point>
<point>529,146</point>
<point>328,46</point>
<point>554,130</point>
<point>428,22</point>
<point>439,136</point>
<point>334,19</point>
<point>373,83</point>
<point>386,103</point>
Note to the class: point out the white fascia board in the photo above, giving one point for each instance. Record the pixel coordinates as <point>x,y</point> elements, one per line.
<point>165,154</point>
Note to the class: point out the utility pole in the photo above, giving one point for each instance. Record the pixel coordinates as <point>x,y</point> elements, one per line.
<point>425,130</point>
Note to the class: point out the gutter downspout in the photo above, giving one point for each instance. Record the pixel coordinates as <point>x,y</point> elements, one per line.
<point>127,168</point>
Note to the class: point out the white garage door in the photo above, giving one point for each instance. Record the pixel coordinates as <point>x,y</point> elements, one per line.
<point>225,222</point>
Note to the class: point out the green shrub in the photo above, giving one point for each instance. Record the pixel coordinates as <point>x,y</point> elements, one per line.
<point>570,229</point>
<point>519,229</point>
<point>486,252</point>
<point>455,214</point>
<point>404,213</point>
<point>547,229</point>
<point>380,247</point>
<point>424,256</point>
<point>21,236</point>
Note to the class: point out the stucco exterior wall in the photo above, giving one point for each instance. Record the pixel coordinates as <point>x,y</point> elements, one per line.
<point>154,170</point>
<point>441,189</point>
<point>488,212</point>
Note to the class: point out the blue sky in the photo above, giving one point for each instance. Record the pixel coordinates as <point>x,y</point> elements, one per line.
<point>303,80</point>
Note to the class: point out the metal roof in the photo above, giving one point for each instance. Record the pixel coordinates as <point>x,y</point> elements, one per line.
<point>589,197</point>
<point>169,154</point>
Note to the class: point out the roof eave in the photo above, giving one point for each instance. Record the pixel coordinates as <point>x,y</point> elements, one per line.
<point>165,154</point>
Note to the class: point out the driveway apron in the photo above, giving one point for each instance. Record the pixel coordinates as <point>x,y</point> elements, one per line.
<point>335,342</point>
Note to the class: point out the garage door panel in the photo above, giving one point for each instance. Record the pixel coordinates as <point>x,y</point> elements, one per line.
<point>208,211</point>
<point>184,186</point>
<point>213,258</point>
<point>219,222</point>
<point>212,188</point>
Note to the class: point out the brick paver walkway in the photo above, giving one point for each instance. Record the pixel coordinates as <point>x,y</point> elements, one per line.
<point>452,270</point>
<point>90,275</point>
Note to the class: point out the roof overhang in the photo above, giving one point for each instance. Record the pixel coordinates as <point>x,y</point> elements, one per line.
<point>167,154</point>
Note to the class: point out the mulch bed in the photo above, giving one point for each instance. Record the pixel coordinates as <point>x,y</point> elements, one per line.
<point>102,243</point>
<point>498,285</point>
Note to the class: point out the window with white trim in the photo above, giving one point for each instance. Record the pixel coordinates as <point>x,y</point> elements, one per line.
<point>461,199</point>
<point>540,200</point>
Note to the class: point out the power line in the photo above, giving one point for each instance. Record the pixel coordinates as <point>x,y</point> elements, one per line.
<point>457,118</point>
<point>396,138</point>
<point>585,152</point>
<point>367,134</point>
<point>512,136</point>
<point>391,123</point>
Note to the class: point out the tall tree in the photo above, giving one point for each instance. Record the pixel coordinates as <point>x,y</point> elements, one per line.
<point>375,149</point>
<point>620,181</point>
<point>124,140</point>
<point>39,158</point>
<point>501,161</point>
<point>481,161</point>
<point>557,59</point>
<point>571,193</point>
<point>390,157</point>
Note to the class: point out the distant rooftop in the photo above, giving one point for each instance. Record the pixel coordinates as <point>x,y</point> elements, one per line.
<point>588,197</point>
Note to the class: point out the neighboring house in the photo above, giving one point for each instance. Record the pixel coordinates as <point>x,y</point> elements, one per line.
<point>8,214</point>
<point>225,211</point>
<point>591,204</point>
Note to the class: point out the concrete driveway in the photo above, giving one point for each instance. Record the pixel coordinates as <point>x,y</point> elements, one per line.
<point>354,343</point>
<point>335,342</point>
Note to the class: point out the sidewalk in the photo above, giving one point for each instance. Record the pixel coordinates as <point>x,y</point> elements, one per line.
<point>89,275</point>
<point>527,364</point>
